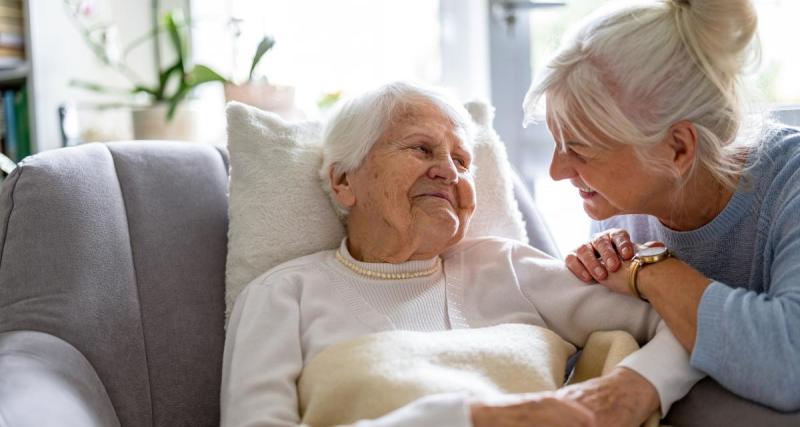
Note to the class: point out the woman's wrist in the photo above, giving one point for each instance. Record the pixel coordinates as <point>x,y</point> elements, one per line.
<point>651,278</point>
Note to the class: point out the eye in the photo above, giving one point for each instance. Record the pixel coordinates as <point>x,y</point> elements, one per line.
<point>575,154</point>
<point>422,148</point>
<point>460,162</point>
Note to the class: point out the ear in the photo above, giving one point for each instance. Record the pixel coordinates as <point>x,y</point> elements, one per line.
<point>682,144</point>
<point>341,188</point>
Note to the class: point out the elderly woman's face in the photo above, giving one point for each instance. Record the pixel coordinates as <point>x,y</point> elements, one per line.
<point>416,180</point>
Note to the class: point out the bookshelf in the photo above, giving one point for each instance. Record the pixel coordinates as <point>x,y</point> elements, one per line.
<point>18,130</point>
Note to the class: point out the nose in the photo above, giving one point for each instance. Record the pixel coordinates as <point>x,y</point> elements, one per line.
<point>560,167</point>
<point>444,168</point>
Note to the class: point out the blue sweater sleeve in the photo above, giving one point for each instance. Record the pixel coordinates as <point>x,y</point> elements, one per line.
<point>749,341</point>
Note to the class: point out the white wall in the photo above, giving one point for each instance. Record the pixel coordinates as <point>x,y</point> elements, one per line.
<point>58,54</point>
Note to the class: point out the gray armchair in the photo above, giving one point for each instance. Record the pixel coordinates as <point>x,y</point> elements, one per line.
<point>112,261</point>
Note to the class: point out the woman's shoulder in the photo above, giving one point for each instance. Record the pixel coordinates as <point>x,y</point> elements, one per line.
<point>485,248</point>
<point>780,143</point>
<point>293,271</point>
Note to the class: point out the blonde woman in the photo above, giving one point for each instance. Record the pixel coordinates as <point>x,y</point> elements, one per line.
<point>645,105</point>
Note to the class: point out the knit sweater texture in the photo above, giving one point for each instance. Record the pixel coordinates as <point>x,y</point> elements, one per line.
<point>748,331</point>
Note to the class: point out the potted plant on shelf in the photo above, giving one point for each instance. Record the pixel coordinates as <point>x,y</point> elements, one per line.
<point>258,91</point>
<point>169,113</point>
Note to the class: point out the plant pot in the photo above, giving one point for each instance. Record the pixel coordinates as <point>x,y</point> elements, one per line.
<point>277,99</point>
<point>151,122</point>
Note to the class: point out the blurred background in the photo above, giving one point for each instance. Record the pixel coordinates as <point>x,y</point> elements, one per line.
<point>74,71</point>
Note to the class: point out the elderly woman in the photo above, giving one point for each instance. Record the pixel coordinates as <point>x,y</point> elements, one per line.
<point>645,107</point>
<point>398,164</point>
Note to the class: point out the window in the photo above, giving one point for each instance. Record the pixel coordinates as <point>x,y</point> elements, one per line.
<point>324,46</point>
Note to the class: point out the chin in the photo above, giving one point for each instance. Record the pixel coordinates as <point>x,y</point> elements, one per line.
<point>599,213</point>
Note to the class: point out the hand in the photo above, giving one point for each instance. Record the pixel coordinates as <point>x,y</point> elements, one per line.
<point>620,398</point>
<point>539,409</point>
<point>604,254</point>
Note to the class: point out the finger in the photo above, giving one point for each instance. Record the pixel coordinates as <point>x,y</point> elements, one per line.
<point>654,244</point>
<point>623,243</point>
<point>574,265</point>
<point>586,256</point>
<point>608,254</point>
<point>582,416</point>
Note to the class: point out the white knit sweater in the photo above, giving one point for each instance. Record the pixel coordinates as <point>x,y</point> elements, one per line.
<point>291,313</point>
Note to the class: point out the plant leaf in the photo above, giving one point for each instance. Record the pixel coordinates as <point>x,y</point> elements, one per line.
<point>170,21</point>
<point>201,74</point>
<point>176,100</point>
<point>94,87</point>
<point>263,46</point>
<point>147,90</point>
<point>163,79</point>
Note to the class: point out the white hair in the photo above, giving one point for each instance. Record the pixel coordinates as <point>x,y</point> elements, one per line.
<point>359,122</point>
<point>628,75</point>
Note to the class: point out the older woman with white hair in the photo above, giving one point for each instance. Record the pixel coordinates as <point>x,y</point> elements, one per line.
<point>645,104</point>
<point>304,337</point>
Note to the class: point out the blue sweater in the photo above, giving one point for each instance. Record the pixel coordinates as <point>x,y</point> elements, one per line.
<point>748,330</point>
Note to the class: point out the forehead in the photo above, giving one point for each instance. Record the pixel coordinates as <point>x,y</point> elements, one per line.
<point>424,118</point>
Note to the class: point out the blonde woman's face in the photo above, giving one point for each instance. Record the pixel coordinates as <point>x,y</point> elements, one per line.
<point>611,181</point>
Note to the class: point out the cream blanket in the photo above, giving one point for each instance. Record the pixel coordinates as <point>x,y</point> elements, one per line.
<point>373,375</point>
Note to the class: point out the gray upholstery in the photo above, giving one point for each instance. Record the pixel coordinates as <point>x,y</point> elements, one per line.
<point>112,262</point>
<point>50,384</point>
<point>538,234</point>
<point>119,250</point>
<point>708,404</point>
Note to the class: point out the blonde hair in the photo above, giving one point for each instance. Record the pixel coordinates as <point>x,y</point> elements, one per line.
<point>628,75</point>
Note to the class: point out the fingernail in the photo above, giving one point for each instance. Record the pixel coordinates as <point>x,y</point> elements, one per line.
<point>612,263</point>
<point>599,272</point>
<point>586,277</point>
<point>626,251</point>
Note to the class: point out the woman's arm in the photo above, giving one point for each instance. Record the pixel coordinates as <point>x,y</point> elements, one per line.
<point>574,310</point>
<point>262,358</point>
<point>745,340</point>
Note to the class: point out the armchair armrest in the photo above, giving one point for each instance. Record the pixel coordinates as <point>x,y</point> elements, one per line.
<point>45,381</point>
<point>708,404</point>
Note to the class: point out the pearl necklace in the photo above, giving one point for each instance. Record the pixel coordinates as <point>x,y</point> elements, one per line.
<point>386,276</point>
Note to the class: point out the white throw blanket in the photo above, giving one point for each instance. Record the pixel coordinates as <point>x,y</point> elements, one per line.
<point>373,375</point>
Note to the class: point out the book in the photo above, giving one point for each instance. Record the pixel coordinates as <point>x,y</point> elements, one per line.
<point>9,11</point>
<point>11,125</point>
<point>22,128</point>
<point>8,62</point>
<point>10,52</point>
<point>12,26</point>
<point>12,40</point>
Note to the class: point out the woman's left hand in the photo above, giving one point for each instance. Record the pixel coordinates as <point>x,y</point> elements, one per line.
<point>620,398</point>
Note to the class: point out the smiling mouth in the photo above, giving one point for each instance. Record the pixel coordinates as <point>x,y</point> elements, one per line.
<point>438,196</point>
<point>586,192</point>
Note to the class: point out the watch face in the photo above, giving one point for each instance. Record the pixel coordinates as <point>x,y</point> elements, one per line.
<point>651,251</point>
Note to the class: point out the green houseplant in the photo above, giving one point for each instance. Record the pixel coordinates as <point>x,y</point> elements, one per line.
<point>168,113</point>
<point>258,91</point>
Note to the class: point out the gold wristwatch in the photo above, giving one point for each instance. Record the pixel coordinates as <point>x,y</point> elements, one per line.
<point>644,256</point>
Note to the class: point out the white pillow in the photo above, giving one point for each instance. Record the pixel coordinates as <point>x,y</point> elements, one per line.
<point>278,210</point>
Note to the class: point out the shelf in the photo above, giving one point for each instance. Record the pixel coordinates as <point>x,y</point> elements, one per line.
<point>13,76</point>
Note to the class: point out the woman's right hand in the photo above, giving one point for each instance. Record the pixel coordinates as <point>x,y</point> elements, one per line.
<point>538,409</point>
<point>592,261</point>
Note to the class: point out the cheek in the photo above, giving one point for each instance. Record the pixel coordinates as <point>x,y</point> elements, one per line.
<point>466,194</point>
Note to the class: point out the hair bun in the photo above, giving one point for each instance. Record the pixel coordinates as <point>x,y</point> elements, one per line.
<point>719,35</point>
